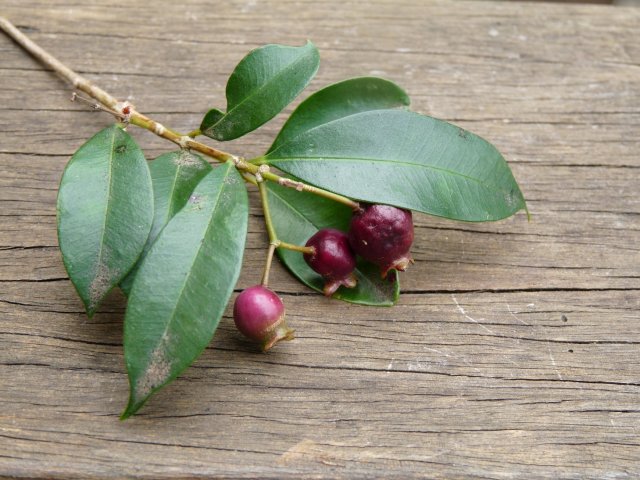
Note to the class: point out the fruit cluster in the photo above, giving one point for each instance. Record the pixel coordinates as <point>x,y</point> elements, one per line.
<point>380,234</point>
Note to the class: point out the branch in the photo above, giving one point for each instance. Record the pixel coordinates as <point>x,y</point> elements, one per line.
<point>128,113</point>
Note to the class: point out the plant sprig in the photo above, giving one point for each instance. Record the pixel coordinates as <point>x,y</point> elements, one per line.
<point>171,233</point>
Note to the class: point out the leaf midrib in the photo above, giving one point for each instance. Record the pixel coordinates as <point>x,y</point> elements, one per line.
<point>365,159</point>
<point>489,187</point>
<point>171,317</point>
<point>106,215</point>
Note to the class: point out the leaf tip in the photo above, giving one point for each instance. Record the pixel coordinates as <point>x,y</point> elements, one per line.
<point>90,307</point>
<point>128,412</point>
<point>523,204</point>
<point>132,406</point>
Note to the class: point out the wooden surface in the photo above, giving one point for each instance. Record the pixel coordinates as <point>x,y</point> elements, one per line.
<point>514,351</point>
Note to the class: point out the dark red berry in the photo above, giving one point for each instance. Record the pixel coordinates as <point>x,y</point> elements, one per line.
<point>332,258</point>
<point>382,235</point>
<point>259,315</point>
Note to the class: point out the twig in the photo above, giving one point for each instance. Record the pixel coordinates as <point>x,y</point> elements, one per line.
<point>127,112</point>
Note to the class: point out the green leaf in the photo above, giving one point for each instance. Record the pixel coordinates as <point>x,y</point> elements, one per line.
<point>262,84</point>
<point>405,159</point>
<point>184,284</point>
<point>340,100</point>
<point>174,176</point>
<point>299,215</point>
<point>105,210</point>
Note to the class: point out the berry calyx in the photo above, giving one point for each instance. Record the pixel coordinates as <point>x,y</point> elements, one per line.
<point>332,258</point>
<point>259,315</point>
<point>383,235</point>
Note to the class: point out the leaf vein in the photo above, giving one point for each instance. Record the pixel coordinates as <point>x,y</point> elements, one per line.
<point>479,181</point>
<point>99,263</point>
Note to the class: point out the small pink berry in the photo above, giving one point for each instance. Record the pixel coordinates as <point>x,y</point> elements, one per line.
<point>259,314</point>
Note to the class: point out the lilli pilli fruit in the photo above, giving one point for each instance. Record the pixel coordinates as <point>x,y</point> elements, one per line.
<point>259,314</point>
<point>383,235</point>
<point>332,258</point>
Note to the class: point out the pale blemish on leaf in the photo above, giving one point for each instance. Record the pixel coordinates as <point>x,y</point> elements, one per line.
<point>225,198</point>
<point>102,282</point>
<point>510,198</point>
<point>230,180</point>
<point>157,371</point>
<point>188,159</point>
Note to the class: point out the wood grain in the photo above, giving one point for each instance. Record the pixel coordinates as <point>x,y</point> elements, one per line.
<point>513,352</point>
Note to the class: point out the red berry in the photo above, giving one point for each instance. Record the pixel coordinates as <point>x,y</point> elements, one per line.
<point>383,235</point>
<point>332,258</point>
<point>259,315</point>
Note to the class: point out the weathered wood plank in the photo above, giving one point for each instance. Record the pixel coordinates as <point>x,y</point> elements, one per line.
<point>508,383</point>
<point>513,351</point>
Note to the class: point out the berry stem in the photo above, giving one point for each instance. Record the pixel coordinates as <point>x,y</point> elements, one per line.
<point>274,242</point>
<point>264,199</point>
<point>296,248</point>
<point>128,114</point>
<point>267,266</point>
<point>271,231</point>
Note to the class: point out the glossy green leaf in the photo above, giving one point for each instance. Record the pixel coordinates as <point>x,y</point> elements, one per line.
<point>340,100</point>
<point>262,84</point>
<point>174,176</point>
<point>299,215</point>
<point>405,159</point>
<point>105,210</point>
<point>184,284</point>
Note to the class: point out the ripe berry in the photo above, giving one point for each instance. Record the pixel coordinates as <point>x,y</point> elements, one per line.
<point>382,235</point>
<point>259,315</point>
<point>332,258</point>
